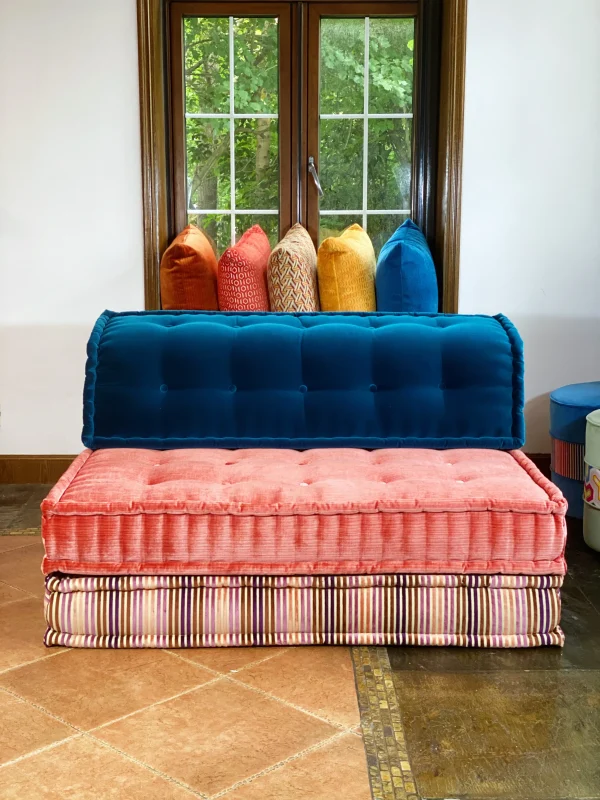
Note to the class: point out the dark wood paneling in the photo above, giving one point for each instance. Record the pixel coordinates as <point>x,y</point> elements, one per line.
<point>428,38</point>
<point>33,469</point>
<point>452,92</point>
<point>154,143</point>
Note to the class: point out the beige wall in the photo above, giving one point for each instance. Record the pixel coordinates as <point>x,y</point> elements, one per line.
<point>70,211</point>
<point>70,205</point>
<point>530,244</point>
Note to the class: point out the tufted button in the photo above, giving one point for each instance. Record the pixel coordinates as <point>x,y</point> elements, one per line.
<point>373,387</point>
<point>302,389</point>
<point>164,388</point>
<point>233,388</point>
<point>442,385</point>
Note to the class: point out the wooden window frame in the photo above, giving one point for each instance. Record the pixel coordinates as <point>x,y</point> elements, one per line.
<point>442,176</point>
<point>179,10</point>
<point>316,12</point>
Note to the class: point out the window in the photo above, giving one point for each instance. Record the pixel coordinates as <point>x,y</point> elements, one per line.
<point>272,100</point>
<point>362,136</point>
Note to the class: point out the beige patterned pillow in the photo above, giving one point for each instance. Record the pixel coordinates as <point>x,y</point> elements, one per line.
<point>292,273</point>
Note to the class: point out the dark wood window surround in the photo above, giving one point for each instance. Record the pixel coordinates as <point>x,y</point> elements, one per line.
<point>439,86</point>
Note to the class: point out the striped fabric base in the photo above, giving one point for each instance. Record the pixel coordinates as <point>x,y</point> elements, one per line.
<point>566,459</point>
<point>228,611</point>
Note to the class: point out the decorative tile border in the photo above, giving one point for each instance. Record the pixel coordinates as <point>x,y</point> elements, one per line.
<point>390,773</point>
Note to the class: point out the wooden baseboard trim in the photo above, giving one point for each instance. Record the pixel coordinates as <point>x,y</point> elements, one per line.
<point>33,469</point>
<point>48,469</point>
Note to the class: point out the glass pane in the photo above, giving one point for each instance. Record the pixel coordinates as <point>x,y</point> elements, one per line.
<point>389,170</point>
<point>342,66</point>
<point>216,226</point>
<point>208,174</point>
<point>381,226</point>
<point>256,164</point>
<point>334,224</point>
<point>268,222</point>
<point>256,71</point>
<point>340,163</point>
<point>391,43</point>
<point>206,54</point>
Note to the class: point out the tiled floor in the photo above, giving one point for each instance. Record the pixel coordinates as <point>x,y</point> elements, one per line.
<point>256,724</point>
<point>510,723</point>
<point>240,723</point>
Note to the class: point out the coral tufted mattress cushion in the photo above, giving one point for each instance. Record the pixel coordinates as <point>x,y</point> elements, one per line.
<point>286,512</point>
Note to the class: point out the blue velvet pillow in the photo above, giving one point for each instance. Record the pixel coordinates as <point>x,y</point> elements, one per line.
<point>405,279</point>
<point>208,379</point>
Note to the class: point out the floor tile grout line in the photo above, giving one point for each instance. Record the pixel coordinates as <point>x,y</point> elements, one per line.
<point>231,677</point>
<point>143,765</point>
<point>42,709</point>
<point>12,586</point>
<point>338,725</point>
<point>216,679</point>
<point>281,764</point>
<point>16,600</point>
<point>18,547</point>
<point>39,750</point>
<point>59,652</point>
<point>81,732</point>
<point>220,672</point>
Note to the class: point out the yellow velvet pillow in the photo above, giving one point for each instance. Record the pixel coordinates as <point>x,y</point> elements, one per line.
<point>346,270</point>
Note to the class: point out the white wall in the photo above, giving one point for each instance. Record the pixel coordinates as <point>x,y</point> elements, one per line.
<point>70,205</point>
<point>530,244</point>
<point>70,210</point>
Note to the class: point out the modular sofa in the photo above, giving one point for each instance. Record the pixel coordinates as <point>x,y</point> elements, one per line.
<point>257,479</point>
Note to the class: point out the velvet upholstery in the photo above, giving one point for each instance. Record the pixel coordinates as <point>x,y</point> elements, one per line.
<point>405,277</point>
<point>188,272</point>
<point>164,380</point>
<point>346,271</point>
<point>317,512</point>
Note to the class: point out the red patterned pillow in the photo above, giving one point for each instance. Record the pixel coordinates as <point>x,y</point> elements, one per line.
<point>242,277</point>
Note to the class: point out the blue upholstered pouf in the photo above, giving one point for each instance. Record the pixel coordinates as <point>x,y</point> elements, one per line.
<point>569,407</point>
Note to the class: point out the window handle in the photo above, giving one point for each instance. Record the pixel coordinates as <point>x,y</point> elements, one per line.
<point>315,175</point>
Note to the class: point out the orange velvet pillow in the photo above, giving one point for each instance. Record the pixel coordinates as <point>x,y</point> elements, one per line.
<point>243,273</point>
<point>188,272</point>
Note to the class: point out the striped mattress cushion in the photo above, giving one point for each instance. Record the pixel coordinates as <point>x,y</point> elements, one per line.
<point>205,611</point>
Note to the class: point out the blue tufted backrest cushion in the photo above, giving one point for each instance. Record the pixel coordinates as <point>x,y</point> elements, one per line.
<point>169,379</point>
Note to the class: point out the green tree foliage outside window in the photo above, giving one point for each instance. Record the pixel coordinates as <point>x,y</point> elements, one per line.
<point>342,69</point>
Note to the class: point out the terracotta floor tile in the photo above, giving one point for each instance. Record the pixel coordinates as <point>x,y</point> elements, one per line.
<point>217,736</point>
<point>22,627</point>
<point>22,568</point>
<point>8,594</point>
<point>13,542</point>
<point>229,659</point>
<point>84,770</point>
<point>91,687</point>
<point>336,771</point>
<point>24,728</point>
<point>319,679</point>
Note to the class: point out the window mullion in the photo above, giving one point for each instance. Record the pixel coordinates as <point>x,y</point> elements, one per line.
<point>232,128</point>
<point>365,126</point>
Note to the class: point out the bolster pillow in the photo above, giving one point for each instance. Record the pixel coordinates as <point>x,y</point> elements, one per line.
<point>167,379</point>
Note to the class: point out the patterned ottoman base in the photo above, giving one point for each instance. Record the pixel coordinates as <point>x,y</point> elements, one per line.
<point>228,611</point>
